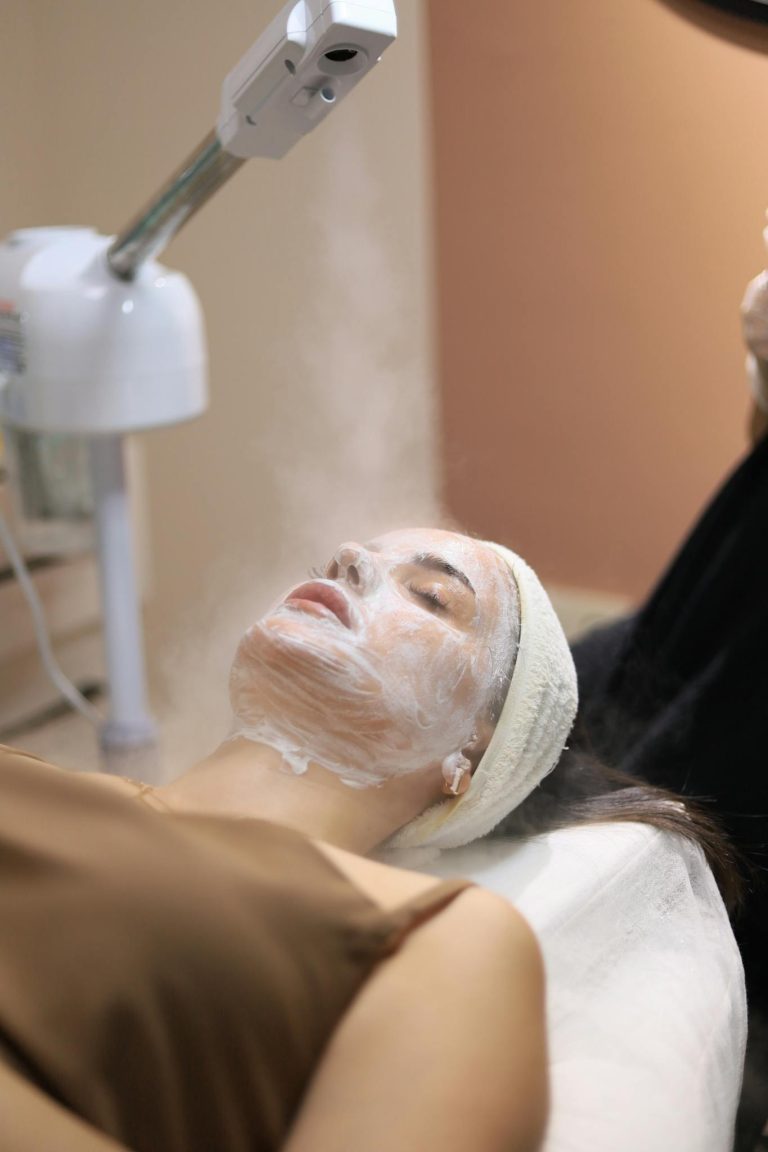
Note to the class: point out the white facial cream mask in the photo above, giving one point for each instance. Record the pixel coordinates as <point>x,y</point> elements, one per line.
<point>383,666</point>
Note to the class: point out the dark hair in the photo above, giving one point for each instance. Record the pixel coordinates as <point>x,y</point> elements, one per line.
<point>584,790</point>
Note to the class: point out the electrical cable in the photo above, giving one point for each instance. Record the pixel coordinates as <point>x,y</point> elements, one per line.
<point>51,665</point>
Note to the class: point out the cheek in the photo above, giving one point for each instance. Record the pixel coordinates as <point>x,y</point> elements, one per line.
<point>439,668</point>
<point>464,679</point>
<point>461,674</point>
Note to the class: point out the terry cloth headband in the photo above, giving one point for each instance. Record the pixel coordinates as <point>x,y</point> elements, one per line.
<point>530,733</point>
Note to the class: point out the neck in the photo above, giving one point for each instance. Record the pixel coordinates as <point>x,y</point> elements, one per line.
<point>242,778</point>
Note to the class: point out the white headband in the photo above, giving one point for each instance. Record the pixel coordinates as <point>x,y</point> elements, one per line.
<point>530,733</point>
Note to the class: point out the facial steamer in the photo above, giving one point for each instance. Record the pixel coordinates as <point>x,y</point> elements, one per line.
<point>98,340</point>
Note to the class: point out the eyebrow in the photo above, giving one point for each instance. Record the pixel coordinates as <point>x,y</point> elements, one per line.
<point>436,563</point>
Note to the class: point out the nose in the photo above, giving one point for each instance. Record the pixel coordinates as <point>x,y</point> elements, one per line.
<point>355,565</point>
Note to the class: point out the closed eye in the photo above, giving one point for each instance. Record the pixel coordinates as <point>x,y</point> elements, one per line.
<point>431,598</point>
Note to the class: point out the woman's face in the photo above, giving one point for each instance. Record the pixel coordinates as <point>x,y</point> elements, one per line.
<point>383,664</point>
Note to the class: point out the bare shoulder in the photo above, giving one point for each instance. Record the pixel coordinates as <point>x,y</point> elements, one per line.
<point>488,909</point>
<point>459,1003</point>
<point>386,885</point>
<point>483,923</point>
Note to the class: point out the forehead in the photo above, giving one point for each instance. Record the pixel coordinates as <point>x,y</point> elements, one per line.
<point>481,564</point>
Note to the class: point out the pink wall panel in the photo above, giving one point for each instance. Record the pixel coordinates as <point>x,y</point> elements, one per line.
<point>600,180</point>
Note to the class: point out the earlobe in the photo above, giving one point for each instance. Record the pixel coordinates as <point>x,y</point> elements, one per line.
<point>458,767</point>
<point>457,774</point>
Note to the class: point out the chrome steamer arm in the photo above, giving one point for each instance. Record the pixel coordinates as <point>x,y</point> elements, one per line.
<point>299,69</point>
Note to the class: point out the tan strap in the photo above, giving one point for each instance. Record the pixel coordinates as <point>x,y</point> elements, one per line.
<point>407,917</point>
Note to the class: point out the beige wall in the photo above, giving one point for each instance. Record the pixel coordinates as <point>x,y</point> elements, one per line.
<point>314,273</point>
<point>23,163</point>
<point>601,173</point>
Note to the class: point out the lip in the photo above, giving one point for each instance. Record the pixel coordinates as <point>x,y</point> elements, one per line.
<point>327,595</point>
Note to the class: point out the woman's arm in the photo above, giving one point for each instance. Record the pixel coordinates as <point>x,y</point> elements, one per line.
<point>443,1049</point>
<point>30,1121</point>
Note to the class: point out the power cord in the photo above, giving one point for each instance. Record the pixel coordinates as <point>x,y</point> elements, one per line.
<point>51,665</point>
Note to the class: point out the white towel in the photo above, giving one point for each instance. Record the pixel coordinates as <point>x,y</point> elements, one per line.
<point>530,733</point>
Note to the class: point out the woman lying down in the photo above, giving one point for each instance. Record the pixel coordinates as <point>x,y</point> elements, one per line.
<point>215,965</point>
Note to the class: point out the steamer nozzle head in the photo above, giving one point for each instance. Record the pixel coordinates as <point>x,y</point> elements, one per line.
<point>311,55</point>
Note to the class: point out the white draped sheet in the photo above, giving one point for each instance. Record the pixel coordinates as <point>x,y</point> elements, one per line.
<point>645,987</point>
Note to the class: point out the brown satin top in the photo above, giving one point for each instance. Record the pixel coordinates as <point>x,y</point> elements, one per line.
<point>172,979</point>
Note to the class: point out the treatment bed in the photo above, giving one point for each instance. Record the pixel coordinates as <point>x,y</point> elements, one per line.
<point>646,1002</point>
